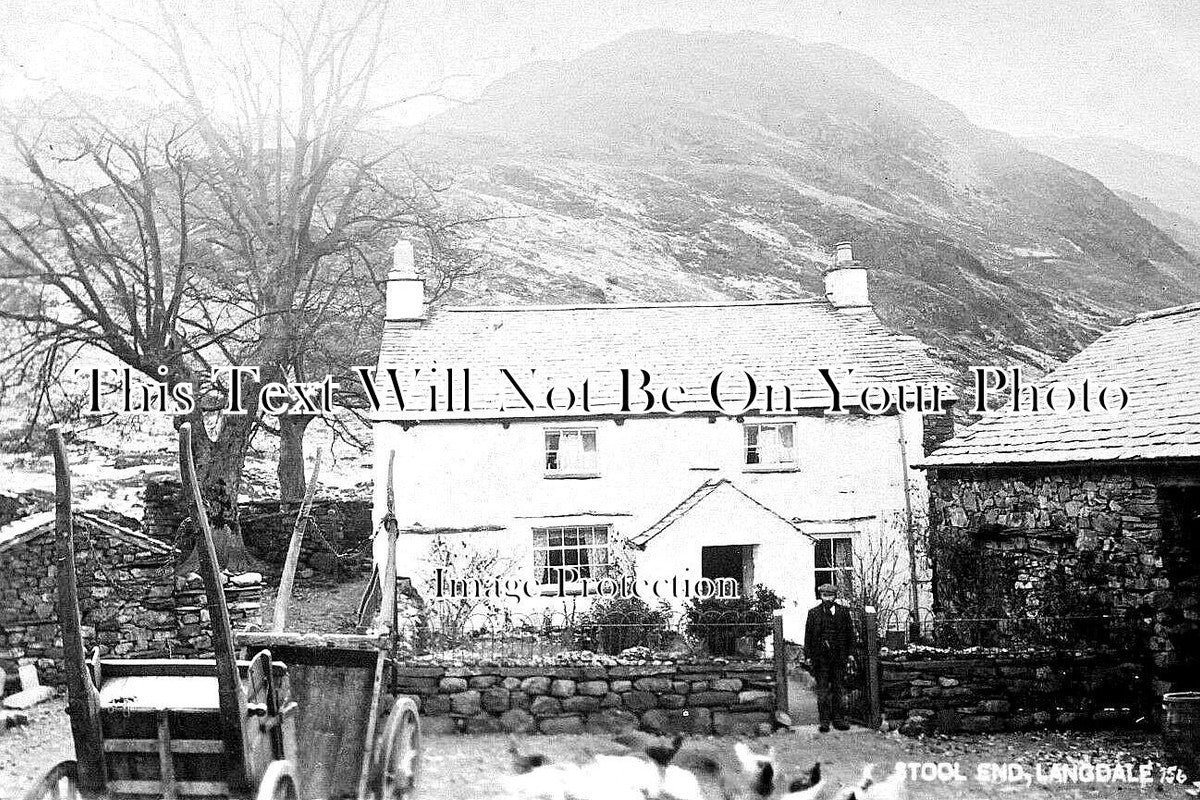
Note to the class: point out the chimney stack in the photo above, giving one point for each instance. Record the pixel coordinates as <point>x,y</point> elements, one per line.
<point>846,280</point>
<point>405,298</point>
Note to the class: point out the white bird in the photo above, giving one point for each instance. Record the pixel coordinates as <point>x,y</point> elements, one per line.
<point>892,787</point>
<point>605,777</point>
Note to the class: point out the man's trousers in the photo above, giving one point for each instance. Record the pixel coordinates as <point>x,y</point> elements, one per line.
<point>831,689</point>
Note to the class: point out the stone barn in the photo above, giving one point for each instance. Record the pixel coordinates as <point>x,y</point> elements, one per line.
<point>1090,511</point>
<point>133,604</point>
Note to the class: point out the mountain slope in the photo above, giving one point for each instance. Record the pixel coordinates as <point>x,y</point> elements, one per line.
<point>1183,229</point>
<point>666,166</point>
<point>1171,182</point>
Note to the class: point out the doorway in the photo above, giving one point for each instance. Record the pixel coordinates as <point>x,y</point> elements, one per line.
<point>735,561</point>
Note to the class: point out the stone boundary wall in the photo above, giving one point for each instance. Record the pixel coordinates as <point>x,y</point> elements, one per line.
<point>990,693</point>
<point>661,698</point>
<point>267,528</point>
<point>14,505</point>
<point>344,524</point>
<point>131,602</point>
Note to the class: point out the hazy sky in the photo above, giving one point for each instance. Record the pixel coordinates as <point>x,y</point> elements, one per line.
<point>1122,68</point>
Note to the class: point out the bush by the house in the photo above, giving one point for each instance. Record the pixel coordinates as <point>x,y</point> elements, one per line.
<point>733,626</point>
<point>615,625</point>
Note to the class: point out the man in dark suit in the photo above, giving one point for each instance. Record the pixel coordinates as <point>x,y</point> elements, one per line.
<point>828,640</point>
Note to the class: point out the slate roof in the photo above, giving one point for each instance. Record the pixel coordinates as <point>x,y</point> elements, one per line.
<point>702,492</point>
<point>1155,356</point>
<point>780,342</point>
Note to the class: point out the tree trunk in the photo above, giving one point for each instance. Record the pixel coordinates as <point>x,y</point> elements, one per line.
<point>291,456</point>
<point>219,464</point>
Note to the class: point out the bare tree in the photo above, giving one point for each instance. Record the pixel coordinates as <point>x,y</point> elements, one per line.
<point>879,574</point>
<point>303,196</point>
<point>120,268</point>
<point>241,223</point>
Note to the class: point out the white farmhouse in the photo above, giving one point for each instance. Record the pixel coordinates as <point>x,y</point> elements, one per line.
<point>565,496</point>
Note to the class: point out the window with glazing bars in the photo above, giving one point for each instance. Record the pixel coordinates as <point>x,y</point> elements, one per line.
<point>834,561</point>
<point>581,548</point>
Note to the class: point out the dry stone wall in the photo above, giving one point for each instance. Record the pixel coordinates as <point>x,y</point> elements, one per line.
<point>1103,533</point>
<point>700,698</point>
<point>131,602</point>
<point>994,693</point>
<point>14,505</point>
<point>337,540</point>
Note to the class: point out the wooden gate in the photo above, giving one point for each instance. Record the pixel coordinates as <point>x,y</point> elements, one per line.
<point>863,705</point>
<point>862,672</point>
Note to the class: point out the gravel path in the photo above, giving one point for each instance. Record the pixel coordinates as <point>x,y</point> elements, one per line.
<point>466,767</point>
<point>29,750</point>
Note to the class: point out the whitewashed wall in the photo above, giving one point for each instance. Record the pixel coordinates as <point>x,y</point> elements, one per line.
<point>465,475</point>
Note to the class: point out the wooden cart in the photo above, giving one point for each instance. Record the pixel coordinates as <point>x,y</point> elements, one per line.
<point>308,725</point>
<point>339,683</point>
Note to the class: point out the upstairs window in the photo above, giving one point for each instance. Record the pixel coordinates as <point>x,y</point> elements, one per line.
<point>580,551</point>
<point>771,445</point>
<point>571,451</point>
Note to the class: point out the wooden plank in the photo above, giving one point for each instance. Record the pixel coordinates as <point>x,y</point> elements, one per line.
<point>185,788</point>
<point>386,621</point>
<point>259,742</point>
<point>333,707</point>
<point>874,702</point>
<point>231,698</point>
<point>274,680</point>
<point>203,667</point>
<point>348,658</point>
<point>372,728</point>
<point>150,693</point>
<point>83,704</point>
<point>288,716</point>
<point>188,746</point>
<point>284,595</point>
<point>354,641</point>
<point>166,764</point>
<point>779,657</point>
<point>121,667</point>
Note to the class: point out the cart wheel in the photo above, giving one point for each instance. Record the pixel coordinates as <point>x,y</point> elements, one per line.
<point>278,782</point>
<point>398,752</point>
<point>60,783</point>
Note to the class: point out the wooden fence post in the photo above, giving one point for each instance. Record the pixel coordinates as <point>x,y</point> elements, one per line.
<point>779,653</point>
<point>283,597</point>
<point>875,714</point>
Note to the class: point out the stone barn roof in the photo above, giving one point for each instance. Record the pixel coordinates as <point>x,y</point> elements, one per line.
<point>782,342</point>
<point>28,528</point>
<point>1155,356</point>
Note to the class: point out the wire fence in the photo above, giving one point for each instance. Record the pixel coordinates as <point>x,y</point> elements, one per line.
<point>1103,632</point>
<point>446,630</point>
<point>450,633</point>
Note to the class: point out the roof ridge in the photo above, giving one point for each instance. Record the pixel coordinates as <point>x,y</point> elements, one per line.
<point>1170,311</point>
<point>20,528</point>
<point>630,306</point>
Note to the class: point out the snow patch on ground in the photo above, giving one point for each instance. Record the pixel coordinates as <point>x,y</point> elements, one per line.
<point>1030,252</point>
